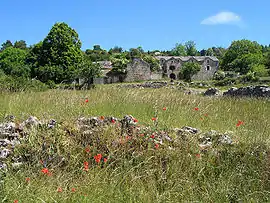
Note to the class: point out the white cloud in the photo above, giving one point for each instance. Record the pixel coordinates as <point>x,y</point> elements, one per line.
<point>222,18</point>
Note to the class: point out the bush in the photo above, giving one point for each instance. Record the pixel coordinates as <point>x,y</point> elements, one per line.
<point>219,75</point>
<point>259,70</point>
<point>225,82</point>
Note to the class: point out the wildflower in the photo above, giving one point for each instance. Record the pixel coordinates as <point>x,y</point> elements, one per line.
<point>85,164</point>
<point>16,201</point>
<point>196,109</point>
<point>59,189</point>
<point>98,158</point>
<point>128,138</point>
<point>156,146</point>
<point>141,134</point>
<point>201,119</point>
<point>154,119</point>
<point>113,121</point>
<point>73,189</point>
<point>86,101</point>
<point>239,123</point>
<point>87,149</point>
<point>105,160</point>
<point>135,120</point>
<point>102,117</point>
<point>206,115</point>
<point>198,156</point>
<point>164,108</point>
<point>152,136</point>
<point>46,172</point>
<point>27,179</point>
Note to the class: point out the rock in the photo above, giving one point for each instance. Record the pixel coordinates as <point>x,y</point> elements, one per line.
<point>3,166</point>
<point>32,121</point>
<point>16,164</point>
<point>211,92</point>
<point>186,132</point>
<point>4,153</point>
<point>52,123</point>
<point>251,91</point>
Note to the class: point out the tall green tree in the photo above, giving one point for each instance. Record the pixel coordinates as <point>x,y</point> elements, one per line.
<point>61,50</point>
<point>179,50</point>
<point>190,47</point>
<point>240,55</point>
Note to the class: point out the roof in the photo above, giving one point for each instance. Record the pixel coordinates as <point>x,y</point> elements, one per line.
<point>105,64</point>
<point>186,58</point>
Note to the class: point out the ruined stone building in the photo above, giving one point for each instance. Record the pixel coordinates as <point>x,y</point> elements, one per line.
<point>170,66</point>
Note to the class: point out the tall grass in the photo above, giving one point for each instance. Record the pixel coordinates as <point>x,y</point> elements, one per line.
<point>239,173</point>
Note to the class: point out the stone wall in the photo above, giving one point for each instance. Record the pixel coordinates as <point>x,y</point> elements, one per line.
<point>138,70</point>
<point>254,91</point>
<point>156,76</point>
<point>208,69</point>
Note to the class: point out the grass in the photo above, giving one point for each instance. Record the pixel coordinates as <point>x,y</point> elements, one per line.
<point>239,173</point>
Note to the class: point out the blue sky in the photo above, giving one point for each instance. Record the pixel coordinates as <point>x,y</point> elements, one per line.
<point>152,24</point>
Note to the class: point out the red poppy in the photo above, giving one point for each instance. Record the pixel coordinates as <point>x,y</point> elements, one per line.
<point>73,189</point>
<point>98,158</point>
<point>27,179</point>
<point>141,134</point>
<point>206,115</point>
<point>105,160</point>
<point>196,109</point>
<point>16,201</point>
<point>201,118</point>
<point>113,121</point>
<point>198,156</point>
<point>239,123</point>
<point>156,146</point>
<point>135,120</point>
<point>164,109</point>
<point>102,117</point>
<point>59,189</point>
<point>86,101</point>
<point>46,172</point>
<point>154,119</point>
<point>128,137</point>
<point>85,164</point>
<point>152,136</point>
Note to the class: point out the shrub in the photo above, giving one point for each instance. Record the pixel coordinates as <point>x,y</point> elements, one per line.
<point>219,75</point>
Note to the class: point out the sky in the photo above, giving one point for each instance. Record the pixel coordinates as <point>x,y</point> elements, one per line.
<point>151,24</point>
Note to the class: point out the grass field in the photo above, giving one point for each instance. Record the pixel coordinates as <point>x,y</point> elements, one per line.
<point>240,172</point>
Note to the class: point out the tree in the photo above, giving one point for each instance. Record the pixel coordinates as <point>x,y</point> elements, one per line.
<point>179,50</point>
<point>190,47</point>
<point>61,49</point>
<point>119,62</point>
<point>20,44</point>
<point>209,52</point>
<point>12,62</point>
<point>6,44</point>
<point>153,62</point>
<point>97,47</point>
<point>135,53</point>
<point>189,69</point>
<point>116,49</point>
<point>239,54</point>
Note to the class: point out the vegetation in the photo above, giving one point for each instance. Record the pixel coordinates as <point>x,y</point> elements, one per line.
<point>130,174</point>
<point>188,70</point>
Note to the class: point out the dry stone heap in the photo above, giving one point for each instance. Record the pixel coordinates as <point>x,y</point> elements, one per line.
<point>252,91</point>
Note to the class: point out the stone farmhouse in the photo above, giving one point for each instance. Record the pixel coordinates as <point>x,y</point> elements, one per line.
<point>170,66</point>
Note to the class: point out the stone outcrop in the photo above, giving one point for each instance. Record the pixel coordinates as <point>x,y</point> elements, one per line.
<point>251,91</point>
<point>211,92</point>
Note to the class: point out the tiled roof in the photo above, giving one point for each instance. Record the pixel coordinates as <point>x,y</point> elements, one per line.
<point>186,58</point>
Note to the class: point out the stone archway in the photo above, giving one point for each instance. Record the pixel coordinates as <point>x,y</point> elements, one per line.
<point>173,76</point>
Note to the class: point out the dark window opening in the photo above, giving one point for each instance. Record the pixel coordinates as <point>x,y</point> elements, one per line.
<point>172,68</point>
<point>172,76</point>
<point>208,67</point>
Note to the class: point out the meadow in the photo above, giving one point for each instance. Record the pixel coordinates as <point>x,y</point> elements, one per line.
<point>240,173</point>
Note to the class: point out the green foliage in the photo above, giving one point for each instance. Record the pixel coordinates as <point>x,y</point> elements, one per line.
<point>136,53</point>
<point>179,50</point>
<point>241,55</point>
<point>12,62</point>
<point>191,48</point>
<point>20,44</point>
<point>259,70</point>
<point>188,70</point>
<point>97,54</point>
<point>6,44</point>
<point>219,75</point>
<point>116,49</point>
<point>154,63</point>
<point>119,62</point>
<point>209,52</point>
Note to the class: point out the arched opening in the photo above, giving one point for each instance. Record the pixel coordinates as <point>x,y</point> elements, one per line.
<point>172,68</point>
<point>172,76</point>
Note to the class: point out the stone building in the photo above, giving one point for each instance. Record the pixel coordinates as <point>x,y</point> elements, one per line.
<point>171,66</point>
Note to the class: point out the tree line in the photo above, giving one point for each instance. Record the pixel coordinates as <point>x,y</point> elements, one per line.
<point>58,57</point>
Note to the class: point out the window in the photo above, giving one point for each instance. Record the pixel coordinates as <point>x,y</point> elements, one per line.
<point>208,61</point>
<point>208,67</point>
